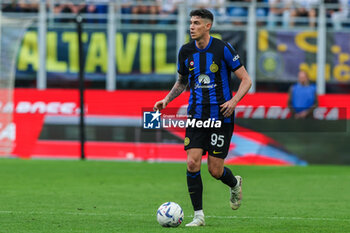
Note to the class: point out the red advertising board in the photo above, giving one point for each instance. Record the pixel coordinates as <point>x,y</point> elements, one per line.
<point>32,107</point>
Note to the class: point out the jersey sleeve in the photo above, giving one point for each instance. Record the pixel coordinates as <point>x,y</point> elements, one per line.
<point>181,64</point>
<point>232,58</point>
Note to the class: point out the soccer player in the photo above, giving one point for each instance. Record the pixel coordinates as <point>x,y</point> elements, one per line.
<point>205,64</point>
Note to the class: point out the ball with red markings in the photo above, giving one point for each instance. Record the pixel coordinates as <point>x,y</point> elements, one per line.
<point>170,214</point>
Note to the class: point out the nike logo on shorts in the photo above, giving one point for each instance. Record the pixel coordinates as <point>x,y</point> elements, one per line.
<point>217,152</point>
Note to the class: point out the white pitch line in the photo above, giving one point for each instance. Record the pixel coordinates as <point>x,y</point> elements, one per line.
<point>52,213</point>
<point>281,218</point>
<point>189,216</point>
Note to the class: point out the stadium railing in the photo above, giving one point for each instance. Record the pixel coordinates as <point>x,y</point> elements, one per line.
<point>115,19</point>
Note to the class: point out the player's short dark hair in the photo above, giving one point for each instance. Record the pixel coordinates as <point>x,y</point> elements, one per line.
<point>203,13</point>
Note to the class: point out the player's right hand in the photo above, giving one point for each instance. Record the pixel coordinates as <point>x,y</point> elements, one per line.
<point>159,105</point>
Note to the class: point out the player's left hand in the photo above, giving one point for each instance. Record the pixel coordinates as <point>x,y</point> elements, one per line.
<point>228,107</point>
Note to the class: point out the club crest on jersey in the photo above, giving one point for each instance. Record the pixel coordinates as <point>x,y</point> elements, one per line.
<point>214,67</point>
<point>191,63</point>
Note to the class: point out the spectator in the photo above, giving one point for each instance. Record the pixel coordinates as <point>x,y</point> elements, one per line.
<point>154,10</point>
<point>304,8</point>
<point>69,8</point>
<point>97,7</point>
<point>125,10</point>
<point>302,97</point>
<point>242,11</point>
<point>339,15</point>
<point>28,5</point>
<point>143,9</point>
<point>168,8</point>
<point>331,10</point>
<point>10,7</point>
<point>217,7</point>
<point>278,8</point>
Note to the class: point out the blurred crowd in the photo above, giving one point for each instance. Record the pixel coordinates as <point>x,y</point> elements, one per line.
<point>286,13</point>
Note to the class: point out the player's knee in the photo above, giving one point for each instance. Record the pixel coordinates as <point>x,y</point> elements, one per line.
<point>193,165</point>
<point>216,173</point>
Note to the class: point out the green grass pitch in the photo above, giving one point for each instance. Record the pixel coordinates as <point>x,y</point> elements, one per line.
<point>100,196</point>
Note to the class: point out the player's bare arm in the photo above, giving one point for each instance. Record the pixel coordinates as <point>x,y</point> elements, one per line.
<point>179,86</point>
<point>228,107</point>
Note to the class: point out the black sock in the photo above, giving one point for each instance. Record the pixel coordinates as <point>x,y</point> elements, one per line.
<point>195,188</point>
<point>228,178</point>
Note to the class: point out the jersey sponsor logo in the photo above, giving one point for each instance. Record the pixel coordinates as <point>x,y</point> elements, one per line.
<point>204,81</point>
<point>235,58</point>
<point>214,67</point>
<point>190,69</point>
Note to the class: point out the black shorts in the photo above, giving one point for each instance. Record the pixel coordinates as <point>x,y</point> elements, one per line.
<point>215,141</point>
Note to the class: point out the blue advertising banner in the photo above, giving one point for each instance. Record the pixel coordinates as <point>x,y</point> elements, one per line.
<point>282,54</point>
<point>150,56</point>
<point>142,56</point>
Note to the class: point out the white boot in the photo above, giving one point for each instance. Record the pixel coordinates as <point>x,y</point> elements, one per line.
<point>198,220</point>
<point>236,194</point>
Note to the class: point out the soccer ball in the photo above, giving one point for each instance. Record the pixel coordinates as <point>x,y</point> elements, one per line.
<point>170,214</point>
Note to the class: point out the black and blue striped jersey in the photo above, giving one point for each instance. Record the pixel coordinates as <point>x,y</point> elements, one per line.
<point>209,76</point>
